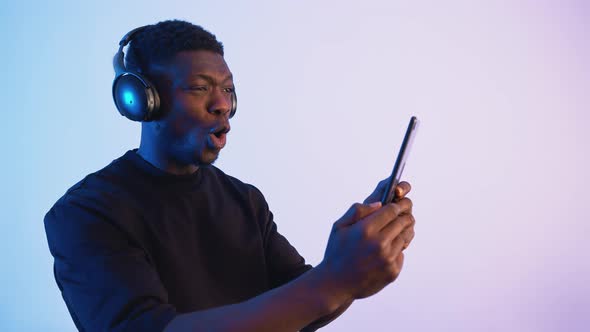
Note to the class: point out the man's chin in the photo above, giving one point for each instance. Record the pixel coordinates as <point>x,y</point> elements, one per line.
<point>208,157</point>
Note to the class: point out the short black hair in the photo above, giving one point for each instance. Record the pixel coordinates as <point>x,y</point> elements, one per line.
<point>160,42</point>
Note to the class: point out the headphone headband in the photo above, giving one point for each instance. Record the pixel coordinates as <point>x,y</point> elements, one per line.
<point>119,59</point>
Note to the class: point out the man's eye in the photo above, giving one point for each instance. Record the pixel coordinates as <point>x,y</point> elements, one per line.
<point>229,90</point>
<point>198,88</point>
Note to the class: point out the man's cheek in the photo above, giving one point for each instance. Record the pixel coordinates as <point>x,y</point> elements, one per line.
<point>196,139</point>
<point>181,124</point>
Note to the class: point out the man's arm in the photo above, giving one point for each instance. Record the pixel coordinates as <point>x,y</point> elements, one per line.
<point>401,191</point>
<point>328,318</point>
<point>363,255</point>
<point>286,308</point>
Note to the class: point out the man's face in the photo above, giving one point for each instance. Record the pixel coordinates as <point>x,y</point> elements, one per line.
<point>195,90</point>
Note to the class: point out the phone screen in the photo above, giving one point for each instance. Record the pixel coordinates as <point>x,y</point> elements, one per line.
<point>400,162</point>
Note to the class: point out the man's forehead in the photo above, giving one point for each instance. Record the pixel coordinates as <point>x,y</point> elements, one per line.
<point>193,64</point>
<point>225,78</point>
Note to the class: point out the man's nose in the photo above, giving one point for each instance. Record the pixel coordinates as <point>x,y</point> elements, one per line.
<point>220,103</point>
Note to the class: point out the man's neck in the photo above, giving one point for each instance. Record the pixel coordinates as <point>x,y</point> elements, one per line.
<point>163,162</point>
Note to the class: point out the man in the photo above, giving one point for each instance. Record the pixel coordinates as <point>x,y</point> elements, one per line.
<point>162,240</point>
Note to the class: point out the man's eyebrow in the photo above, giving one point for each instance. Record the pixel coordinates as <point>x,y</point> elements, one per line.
<point>211,79</point>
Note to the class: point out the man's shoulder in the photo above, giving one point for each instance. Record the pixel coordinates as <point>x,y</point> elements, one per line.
<point>106,184</point>
<point>244,188</point>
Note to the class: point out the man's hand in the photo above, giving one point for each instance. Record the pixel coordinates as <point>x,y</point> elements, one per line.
<point>402,189</point>
<point>364,252</point>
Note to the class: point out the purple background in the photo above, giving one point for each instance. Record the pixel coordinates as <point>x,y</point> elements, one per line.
<point>499,166</point>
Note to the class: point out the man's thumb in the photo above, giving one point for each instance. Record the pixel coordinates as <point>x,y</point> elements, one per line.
<point>356,212</point>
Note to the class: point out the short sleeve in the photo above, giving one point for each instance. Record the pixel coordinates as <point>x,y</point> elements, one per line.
<point>105,279</point>
<point>283,261</point>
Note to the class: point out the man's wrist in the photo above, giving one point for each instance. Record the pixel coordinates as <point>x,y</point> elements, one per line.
<point>332,294</point>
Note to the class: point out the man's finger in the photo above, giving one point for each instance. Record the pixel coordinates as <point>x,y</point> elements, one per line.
<point>385,215</point>
<point>408,235</point>
<point>402,189</point>
<point>365,210</point>
<point>400,260</point>
<point>377,220</point>
<point>405,205</point>
<point>397,245</point>
<point>395,229</point>
<point>378,192</point>
<point>356,212</point>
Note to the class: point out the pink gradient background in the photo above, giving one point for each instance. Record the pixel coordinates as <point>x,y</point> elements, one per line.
<point>499,166</point>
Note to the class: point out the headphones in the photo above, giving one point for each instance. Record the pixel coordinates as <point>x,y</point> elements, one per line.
<point>135,97</point>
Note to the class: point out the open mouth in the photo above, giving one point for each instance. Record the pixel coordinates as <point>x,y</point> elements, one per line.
<point>218,134</point>
<point>218,137</point>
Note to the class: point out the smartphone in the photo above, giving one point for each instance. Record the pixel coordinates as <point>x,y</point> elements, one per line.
<point>400,162</point>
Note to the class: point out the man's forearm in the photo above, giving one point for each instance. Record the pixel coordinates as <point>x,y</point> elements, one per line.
<point>325,320</point>
<point>287,308</point>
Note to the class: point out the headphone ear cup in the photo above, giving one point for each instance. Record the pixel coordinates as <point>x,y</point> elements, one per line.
<point>234,104</point>
<point>135,97</point>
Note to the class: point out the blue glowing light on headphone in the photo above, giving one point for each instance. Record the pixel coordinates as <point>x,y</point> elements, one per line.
<point>128,97</point>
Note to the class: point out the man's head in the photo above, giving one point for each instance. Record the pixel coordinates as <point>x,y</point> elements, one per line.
<point>159,43</point>
<point>186,65</point>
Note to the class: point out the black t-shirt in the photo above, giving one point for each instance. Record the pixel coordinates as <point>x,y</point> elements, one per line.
<point>135,246</point>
